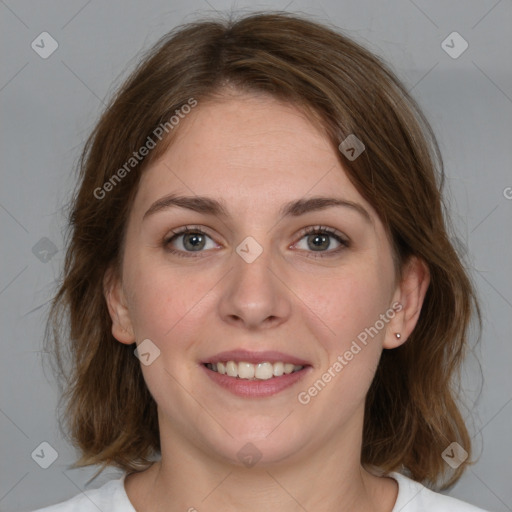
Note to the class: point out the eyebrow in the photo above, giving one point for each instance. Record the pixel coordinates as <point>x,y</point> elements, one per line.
<point>210,206</point>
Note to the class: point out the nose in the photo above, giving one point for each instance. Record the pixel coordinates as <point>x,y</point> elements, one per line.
<point>255,294</point>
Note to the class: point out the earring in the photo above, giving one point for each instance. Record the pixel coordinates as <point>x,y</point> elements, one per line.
<point>398,335</point>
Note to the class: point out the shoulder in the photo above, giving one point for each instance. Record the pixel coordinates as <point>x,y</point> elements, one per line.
<point>110,496</point>
<point>415,497</point>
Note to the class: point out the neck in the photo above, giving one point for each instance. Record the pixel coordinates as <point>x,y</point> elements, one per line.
<point>184,479</point>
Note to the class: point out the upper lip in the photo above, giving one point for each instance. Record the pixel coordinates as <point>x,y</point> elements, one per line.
<point>267,356</point>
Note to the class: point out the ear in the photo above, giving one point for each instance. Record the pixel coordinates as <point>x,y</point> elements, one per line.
<point>122,328</point>
<point>407,301</point>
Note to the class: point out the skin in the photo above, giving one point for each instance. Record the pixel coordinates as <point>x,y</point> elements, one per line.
<point>255,153</point>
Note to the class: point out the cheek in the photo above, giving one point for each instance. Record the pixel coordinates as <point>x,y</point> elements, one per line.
<point>163,301</point>
<point>352,308</point>
<point>349,301</point>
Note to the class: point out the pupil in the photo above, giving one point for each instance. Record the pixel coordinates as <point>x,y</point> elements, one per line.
<point>322,239</point>
<point>193,241</point>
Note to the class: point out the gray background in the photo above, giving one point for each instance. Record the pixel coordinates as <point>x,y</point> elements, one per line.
<point>48,106</point>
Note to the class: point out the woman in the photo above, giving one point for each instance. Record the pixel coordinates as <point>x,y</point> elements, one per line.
<point>265,309</point>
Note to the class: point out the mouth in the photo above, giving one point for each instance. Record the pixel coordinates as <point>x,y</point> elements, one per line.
<point>255,374</point>
<point>260,371</point>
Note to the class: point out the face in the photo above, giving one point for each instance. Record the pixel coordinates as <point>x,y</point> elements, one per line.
<point>284,267</point>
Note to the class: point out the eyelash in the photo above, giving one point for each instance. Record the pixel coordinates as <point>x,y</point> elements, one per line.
<point>312,230</point>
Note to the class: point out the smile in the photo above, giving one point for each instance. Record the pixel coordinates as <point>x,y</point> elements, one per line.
<point>259,371</point>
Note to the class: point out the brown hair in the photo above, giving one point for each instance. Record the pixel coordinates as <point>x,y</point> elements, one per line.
<point>411,415</point>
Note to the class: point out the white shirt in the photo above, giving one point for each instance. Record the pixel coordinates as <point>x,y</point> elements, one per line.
<point>412,497</point>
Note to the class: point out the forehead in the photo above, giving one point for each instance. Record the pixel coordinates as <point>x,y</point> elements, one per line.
<point>248,150</point>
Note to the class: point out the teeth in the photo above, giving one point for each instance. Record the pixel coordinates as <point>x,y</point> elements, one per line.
<point>231,369</point>
<point>264,371</point>
<point>249,371</point>
<point>288,368</point>
<point>278,369</point>
<point>246,370</point>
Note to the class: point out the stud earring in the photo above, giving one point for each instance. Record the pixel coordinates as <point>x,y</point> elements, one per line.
<point>398,335</point>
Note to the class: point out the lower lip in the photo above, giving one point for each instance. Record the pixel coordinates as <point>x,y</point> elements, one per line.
<point>256,388</point>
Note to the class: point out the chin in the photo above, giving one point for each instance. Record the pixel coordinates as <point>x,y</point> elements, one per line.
<point>259,441</point>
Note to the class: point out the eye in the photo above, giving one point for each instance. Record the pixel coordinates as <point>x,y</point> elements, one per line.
<point>188,240</point>
<point>319,240</point>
